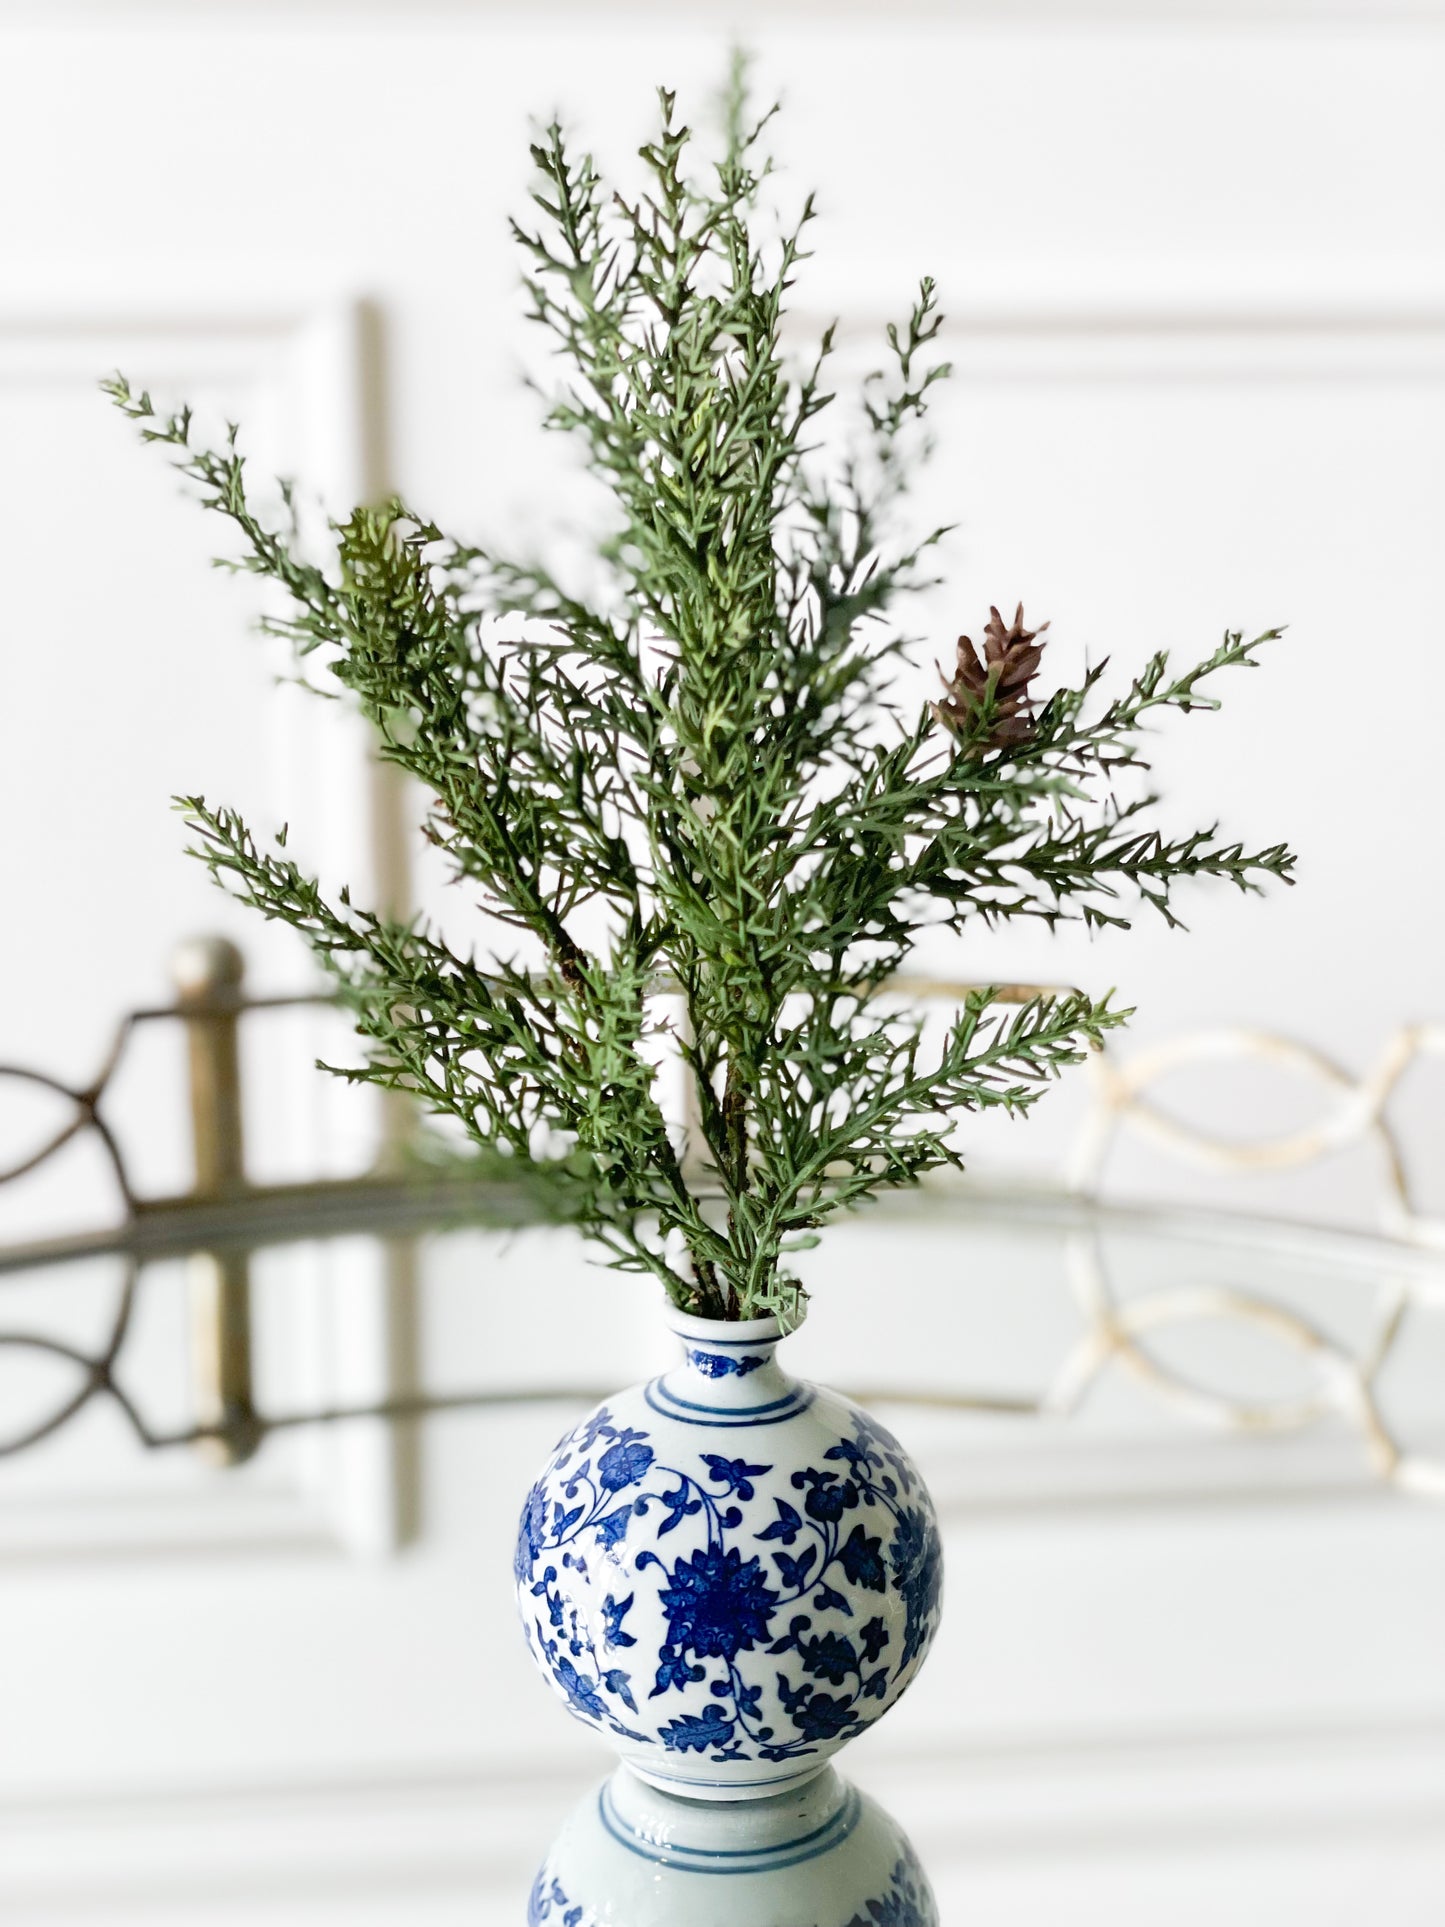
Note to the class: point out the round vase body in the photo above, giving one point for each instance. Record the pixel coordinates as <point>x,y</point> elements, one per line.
<point>821,1855</point>
<point>727,1571</point>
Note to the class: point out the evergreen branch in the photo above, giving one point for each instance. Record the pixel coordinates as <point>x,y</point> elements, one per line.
<point>700,779</point>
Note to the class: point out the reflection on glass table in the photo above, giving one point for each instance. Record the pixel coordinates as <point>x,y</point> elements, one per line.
<point>1065,1360</point>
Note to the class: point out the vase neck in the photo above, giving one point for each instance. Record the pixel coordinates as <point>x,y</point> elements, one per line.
<point>727,1366</point>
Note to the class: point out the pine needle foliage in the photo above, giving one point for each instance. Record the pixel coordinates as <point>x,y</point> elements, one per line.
<point>693,793</point>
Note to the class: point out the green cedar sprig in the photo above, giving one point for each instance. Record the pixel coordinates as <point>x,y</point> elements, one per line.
<point>695,795</point>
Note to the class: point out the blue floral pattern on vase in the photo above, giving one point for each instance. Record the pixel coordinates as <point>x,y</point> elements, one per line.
<point>719,1365</point>
<point>907,1903</point>
<point>722,1612</point>
<point>549,1903</point>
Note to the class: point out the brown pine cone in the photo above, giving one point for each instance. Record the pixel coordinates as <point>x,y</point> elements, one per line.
<point>1011,657</point>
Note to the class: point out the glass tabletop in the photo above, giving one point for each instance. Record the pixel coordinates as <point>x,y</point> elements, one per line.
<point>1126,1322</point>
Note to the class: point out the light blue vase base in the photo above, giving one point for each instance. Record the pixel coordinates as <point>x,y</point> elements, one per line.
<point>817,1855</point>
<point>729,1792</point>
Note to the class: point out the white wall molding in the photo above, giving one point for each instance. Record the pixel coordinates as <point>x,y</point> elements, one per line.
<point>1282,320</point>
<point>294,364</point>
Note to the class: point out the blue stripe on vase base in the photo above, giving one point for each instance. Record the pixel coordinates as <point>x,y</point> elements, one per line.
<point>688,1788</point>
<point>743,1860</point>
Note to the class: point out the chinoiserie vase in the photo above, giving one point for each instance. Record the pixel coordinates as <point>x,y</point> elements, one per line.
<point>821,1855</point>
<point>727,1571</point>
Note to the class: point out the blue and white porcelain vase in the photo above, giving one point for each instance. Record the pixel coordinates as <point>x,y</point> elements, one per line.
<point>727,1571</point>
<point>823,1855</point>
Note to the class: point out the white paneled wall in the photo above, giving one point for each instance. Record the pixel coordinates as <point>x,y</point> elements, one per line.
<point>1195,258</point>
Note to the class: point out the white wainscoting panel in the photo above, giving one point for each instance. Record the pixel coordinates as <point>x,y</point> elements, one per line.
<point>100,872</point>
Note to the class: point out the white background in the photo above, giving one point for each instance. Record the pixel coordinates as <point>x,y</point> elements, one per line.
<point>1196,263</point>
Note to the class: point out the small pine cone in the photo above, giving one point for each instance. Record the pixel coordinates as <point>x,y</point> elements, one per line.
<point>1011,657</point>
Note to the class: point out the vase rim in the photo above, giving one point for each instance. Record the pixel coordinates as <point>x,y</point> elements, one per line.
<point>729,1331</point>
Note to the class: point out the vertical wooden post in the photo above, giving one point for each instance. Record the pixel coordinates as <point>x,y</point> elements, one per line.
<point>208,974</point>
